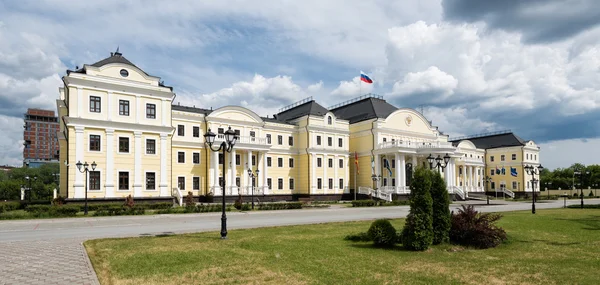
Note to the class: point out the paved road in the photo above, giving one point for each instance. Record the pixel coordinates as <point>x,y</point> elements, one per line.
<point>50,251</point>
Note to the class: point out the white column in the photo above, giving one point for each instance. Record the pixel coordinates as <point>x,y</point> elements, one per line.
<point>477,178</point>
<point>452,173</point>
<point>249,161</point>
<point>109,183</point>
<point>164,184</point>
<point>137,184</point>
<point>325,180</point>
<point>214,173</point>
<point>403,170</point>
<point>464,180</point>
<point>79,102</point>
<point>398,170</point>
<point>232,169</point>
<point>336,164</point>
<point>265,172</point>
<point>347,177</point>
<point>414,162</point>
<point>472,178</point>
<point>377,169</point>
<point>109,106</point>
<point>314,173</point>
<point>163,112</point>
<point>138,109</point>
<point>78,186</point>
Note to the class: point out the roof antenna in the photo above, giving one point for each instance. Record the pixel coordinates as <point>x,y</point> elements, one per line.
<point>421,106</point>
<point>117,53</point>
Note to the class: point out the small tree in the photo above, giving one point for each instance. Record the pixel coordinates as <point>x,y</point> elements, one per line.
<point>418,230</point>
<point>129,201</point>
<point>441,209</point>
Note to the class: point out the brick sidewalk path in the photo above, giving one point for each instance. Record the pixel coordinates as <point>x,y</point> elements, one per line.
<point>45,262</point>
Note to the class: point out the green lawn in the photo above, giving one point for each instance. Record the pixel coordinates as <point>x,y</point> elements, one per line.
<point>552,247</point>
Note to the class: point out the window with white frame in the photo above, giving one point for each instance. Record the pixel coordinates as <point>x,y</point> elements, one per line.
<point>123,107</point>
<point>291,163</point>
<point>196,158</point>
<point>180,130</point>
<point>291,183</point>
<point>330,184</point>
<point>319,183</point>
<point>150,146</point>
<point>124,144</point>
<point>150,181</point>
<point>123,180</point>
<point>94,177</point>
<point>95,104</point>
<point>180,157</point>
<point>150,111</point>
<point>341,163</point>
<point>196,183</point>
<point>279,162</point>
<point>181,183</point>
<point>269,183</point>
<point>268,161</point>
<point>280,183</point>
<point>319,162</point>
<point>196,131</point>
<point>94,143</point>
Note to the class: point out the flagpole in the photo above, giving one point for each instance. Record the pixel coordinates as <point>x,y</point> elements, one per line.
<point>360,85</point>
<point>355,174</point>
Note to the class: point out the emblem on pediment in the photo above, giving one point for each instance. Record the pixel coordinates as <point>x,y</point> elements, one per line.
<point>408,120</point>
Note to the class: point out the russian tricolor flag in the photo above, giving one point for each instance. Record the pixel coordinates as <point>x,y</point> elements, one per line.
<point>365,78</point>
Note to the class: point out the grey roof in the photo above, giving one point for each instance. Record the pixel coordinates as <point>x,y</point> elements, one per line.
<point>494,141</point>
<point>308,108</point>
<point>206,112</point>
<point>365,109</point>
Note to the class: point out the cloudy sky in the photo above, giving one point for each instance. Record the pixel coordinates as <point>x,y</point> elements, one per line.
<point>473,66</point>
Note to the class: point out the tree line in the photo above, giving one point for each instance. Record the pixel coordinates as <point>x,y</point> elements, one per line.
<point>566,178</point>
<point>43,181</point>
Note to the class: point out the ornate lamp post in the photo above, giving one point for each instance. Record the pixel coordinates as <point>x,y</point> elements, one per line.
<point>226,146</point>
<point>375,179</point>
<point>84,168</point>
<point>548,184</point>
<point>252,176</point>
<point>533,171</point>
<point>438,162</point>
<point>29,182</point>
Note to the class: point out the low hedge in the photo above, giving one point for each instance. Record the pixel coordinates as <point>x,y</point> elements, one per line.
<point>194,209</point>
<point>9,206</point>
<point>364,203</point>
<point>120,211</point>
<point>106,206</point>
<point>280,206</point>
<point>585,206</point>
<point>39,211</point>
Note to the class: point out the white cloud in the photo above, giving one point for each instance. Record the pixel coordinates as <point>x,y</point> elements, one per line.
<point>456,121</point>
<point>432,80</point>
<point>563,153</point>
<point>11,145</point>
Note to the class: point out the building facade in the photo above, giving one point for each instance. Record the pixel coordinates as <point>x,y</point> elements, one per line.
<point>39,136</point>
<point>116,115</point>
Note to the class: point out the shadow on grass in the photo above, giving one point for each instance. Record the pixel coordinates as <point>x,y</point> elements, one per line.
<point>371,246</point>
<point>592,223</point>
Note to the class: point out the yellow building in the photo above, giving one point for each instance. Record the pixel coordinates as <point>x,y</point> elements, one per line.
<point>116,115</point>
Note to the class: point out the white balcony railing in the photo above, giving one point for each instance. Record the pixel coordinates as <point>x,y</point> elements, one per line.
<point>243,139</point>
<point>414,145</point>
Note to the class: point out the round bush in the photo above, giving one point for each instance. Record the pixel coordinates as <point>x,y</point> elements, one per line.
<point>382,233</point>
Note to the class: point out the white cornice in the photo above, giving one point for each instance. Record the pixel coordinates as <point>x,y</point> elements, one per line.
<point>129,89</point>
<point>89,123</point>
<point>328,130</point>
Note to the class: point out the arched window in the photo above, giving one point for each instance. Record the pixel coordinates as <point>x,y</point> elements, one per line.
<point>329,120</point>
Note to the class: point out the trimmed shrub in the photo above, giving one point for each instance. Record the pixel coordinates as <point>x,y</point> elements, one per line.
<point>9,206</point>
<point>120,211</point>
<point>394,203</point>
<point>441,209</point>
<point>37,208</point>
<point>189,199</point>
<point>585,206</point>
<point>64,211</point>
<point>129,201</point>
<point>245,207</point>
<point>591,194</point>
<point>238,203</point>
<point>382,233</point>
<point>575,194</point>
<point>280,206</point>
<point>358,237</point>
<point>364,203</point>
<point>418,229</point>
<point>470,228</point>
<point>58,201</point>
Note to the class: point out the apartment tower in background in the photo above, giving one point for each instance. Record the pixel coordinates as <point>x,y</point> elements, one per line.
<point>39,135</point>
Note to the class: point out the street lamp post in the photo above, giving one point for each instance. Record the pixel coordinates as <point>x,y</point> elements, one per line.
<point>533,171</point>
<point>225,146</point>
<point>252,176</point>
<point>438,162</point>
<point>582,175</point>
<point>29,183</point>
<point>548,184</point>
<point>375,179</point>
<point>84,168</point>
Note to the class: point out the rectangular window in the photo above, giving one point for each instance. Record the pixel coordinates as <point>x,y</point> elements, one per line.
<point>238,159</point>
<point>123,145</point>
<point>394,182</point>
<point>492,172</point>
<point>384,139</point>
<point>279,162</point>
<point>94,180</point>
<point>254,160</point>
<point>95,104</point>
<point>330,163</point>
<point>94,142</point>
<point>291,141</point>
<point>180,157</point>
<point>319,162</point>
<point>269,183</point>
<point>279,140</point>
<point>252,134</point>
<point>196,131</point>
<point>123,180</point>
<point>329,141</point>
<point>492,158</point>
<point>291,163</point>
<point>393,163</point>
<point>341,163</point>
<point>196,158</point>
<point>150,111</point>
<point>269,138</point>
<point>181,130</point>
<point>340,142</point>
<point>237,181</point>
<point>318,140</point>
<point>291,183</point>
<point>221,131</point>
<point>493,185</point>
<point>460,170</point>
<point>319,183</point>
<point>220,158</point>
<point>330,184</point>
<point>514,156</point>
<point>150,146</point>
<point>341,184</point>
<point>502,157</point>
<point>280,183</point>
<point>268,162</point>
<point>237,132</point>
<point>514,185</point>
<point>123,107</point>
<point>181,183</point>
<point>196,183</point>
<point>150,181</point>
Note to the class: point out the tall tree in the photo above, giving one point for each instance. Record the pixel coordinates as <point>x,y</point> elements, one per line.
<point>418,230</point>
<point>441,208</point>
